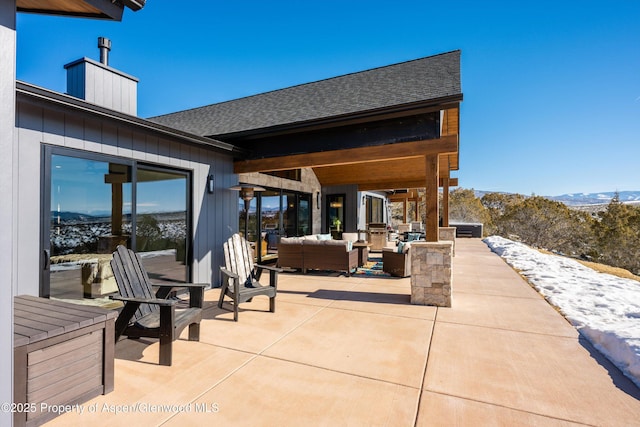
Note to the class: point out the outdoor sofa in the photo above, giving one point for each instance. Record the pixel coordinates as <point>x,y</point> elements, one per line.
<point>310,253</point>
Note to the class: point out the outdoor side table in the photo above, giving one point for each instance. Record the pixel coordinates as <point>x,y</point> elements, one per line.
<point>363,252</point>
<point>63,354</point>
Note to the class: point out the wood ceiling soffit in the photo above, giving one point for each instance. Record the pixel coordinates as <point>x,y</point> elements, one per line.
<point>403,150</point>
<point>400,184</point>
<point>411,169</point>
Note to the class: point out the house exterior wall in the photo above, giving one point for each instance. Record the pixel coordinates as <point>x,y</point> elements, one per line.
<point>215,216</point>
<point>7,207</point>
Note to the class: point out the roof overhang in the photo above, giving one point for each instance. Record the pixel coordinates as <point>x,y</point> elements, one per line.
<point>390,166</point>
<point>98,9</point>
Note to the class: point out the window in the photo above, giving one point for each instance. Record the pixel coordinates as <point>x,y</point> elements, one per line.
<point>98,202</point>
<point>282,213</point>
<point>375,210</point>
<point>335,212</point>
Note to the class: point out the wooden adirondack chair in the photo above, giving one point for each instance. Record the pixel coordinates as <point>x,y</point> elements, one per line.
<point>240,276</point>
<point>146,314</point>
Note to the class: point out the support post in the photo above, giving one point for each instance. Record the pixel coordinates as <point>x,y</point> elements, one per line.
<point>445,202</point>
<point>431,190</point>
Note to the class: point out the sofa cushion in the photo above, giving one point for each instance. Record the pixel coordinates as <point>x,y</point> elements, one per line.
<point>324,236</point>
<point>352,237</point>
<point>291,240</point>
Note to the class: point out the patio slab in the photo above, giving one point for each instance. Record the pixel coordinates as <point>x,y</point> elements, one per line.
<point>533,315</point>
<point>388,348</point>
<point>271,392</point>
<point>553,376</point>
<point>352,351</point>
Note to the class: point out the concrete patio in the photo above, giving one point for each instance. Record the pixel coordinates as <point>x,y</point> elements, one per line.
<point>353,351</point>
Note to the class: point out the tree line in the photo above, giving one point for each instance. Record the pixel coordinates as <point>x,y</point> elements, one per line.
<point>609,236</point>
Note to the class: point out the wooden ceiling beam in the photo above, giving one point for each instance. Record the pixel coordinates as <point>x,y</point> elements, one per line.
<point>349,156</point>
<point>401,184</point>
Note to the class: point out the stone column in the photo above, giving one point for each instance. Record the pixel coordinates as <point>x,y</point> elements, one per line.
<point>448,233</point>
<point>431,273</point>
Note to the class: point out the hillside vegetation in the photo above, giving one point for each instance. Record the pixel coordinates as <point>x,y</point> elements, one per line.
<point>609,236</point>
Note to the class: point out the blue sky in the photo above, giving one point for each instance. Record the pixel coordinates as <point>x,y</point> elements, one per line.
<point>551,88</point>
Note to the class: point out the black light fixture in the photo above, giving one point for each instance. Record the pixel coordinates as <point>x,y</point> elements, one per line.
<point>317,199</point>
<point>210,183</point>
<point>246,193</point>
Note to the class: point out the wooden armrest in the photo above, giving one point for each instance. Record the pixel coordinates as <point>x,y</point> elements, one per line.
<point>182,285</point>
<point>229,274</point>
<point>267,267</point>
<point>160,302</point>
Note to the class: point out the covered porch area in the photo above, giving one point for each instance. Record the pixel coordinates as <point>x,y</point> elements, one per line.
<point>353,351</point>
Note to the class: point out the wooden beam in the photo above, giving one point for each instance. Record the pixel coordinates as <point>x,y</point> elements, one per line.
<point>401,184</point>
<point>400,150</point>
<point>431,192</point>
<point>445,202</point>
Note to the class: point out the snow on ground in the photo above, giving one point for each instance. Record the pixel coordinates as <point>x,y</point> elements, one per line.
<point>604,308</point>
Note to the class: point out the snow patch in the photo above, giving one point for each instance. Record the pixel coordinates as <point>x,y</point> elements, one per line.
<point>604,308</point>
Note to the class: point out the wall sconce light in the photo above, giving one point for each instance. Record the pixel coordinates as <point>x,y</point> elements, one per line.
<point>364,200</point>
<point>318,199</point>
<point>210,184</point>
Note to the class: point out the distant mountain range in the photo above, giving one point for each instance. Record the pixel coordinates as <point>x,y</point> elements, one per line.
<point>581,199</point>
<point>586,199</point>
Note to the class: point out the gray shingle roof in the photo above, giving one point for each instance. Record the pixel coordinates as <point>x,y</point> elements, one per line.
<point>416,81</point>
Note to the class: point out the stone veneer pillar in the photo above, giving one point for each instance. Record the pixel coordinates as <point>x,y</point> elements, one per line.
<point>448,233</point>
<point>431,273</point>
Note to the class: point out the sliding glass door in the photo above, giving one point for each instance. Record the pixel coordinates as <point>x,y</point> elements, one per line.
<point>98,202</point>
<point>273,214</point>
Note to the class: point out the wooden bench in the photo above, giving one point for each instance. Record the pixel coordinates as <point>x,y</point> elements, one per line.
<point>63,355</point>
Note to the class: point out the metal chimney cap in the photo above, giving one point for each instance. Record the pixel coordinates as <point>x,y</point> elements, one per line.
<point>104,44</point>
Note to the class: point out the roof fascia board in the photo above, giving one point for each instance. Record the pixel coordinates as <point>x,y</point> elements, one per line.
<point>39,94</point>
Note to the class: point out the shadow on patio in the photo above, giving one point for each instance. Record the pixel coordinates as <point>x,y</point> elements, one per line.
<point>353,351</point>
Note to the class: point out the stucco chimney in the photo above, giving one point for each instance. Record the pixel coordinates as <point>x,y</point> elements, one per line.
<point>98,83</point>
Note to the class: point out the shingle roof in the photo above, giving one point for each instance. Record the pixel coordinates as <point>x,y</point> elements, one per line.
<point>416,81</point>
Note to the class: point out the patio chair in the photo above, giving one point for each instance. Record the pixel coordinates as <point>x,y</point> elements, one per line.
<point>152,315</point>
<point>241,276</point>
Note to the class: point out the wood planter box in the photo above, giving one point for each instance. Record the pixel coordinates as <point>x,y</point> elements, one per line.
<point>63,355</point>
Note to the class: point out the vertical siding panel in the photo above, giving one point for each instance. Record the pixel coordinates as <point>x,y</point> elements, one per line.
<point>29,135</point>
<point>93,135</point>
<point>109,139</point>
<point>151,154</point>
<point>53,127</point>
<point>139,146</point>
<point>125,143</point>
<point>200,232</point>
<point>164,151</point>
<point>73,131</point>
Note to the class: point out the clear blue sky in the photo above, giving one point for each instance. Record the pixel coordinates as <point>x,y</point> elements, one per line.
<point>551,88</point>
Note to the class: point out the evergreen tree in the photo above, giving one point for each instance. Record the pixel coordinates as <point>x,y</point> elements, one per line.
<point>617,236</point>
